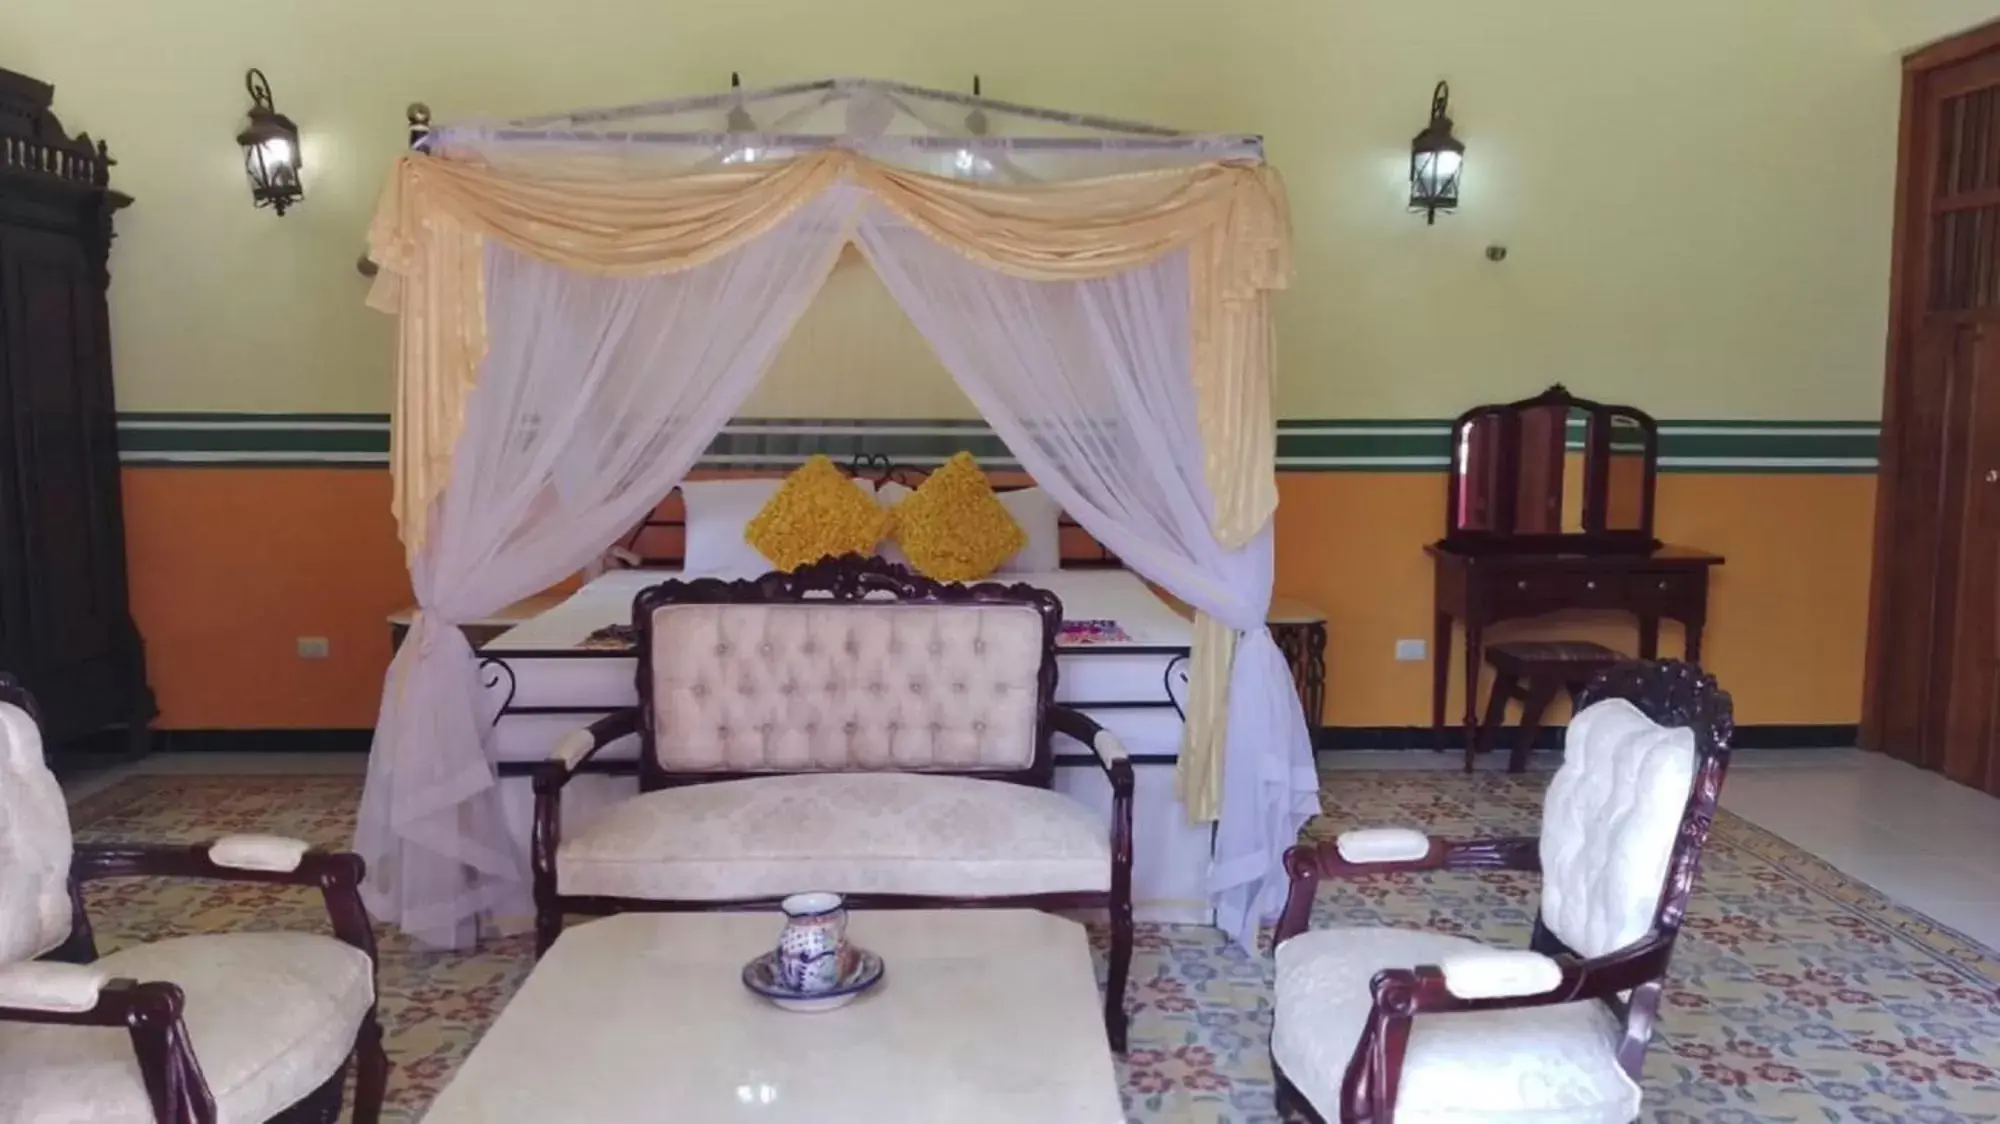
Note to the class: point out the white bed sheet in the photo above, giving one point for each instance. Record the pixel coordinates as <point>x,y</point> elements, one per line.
<point>1116,595</point>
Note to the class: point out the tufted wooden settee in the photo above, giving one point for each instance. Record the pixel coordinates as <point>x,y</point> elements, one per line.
<point>849,726</point>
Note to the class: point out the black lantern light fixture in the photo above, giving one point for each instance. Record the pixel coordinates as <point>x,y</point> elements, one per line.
<point>270,149</point>
<point>1435,160</point>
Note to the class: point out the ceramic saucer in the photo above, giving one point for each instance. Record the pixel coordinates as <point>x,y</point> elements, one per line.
<point>860,970</point>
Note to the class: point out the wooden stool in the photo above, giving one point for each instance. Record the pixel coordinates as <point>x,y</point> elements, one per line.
<point>1545,667</point>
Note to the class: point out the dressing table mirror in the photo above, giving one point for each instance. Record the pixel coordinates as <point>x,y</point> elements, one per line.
<point>1549,507</point>
<point>1552,473</point>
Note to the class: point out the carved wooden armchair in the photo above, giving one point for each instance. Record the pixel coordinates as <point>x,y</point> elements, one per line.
<point>241,1027</point>
<point>850,726</point>
<point>1387,1024</point>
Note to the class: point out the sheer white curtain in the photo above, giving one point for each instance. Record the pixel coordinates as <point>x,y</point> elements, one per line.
<point>1088,383</point>
<point>596,397</point>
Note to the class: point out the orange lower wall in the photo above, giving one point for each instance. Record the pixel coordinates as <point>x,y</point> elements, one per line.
<point>231,565</point>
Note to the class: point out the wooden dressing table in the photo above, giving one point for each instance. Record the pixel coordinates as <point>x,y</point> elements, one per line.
<point>1549,507</point>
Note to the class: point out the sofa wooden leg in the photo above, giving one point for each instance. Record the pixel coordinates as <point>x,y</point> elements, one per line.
<point>371,1072</point>
<point>548,926</point>
<point>1115,1019</point>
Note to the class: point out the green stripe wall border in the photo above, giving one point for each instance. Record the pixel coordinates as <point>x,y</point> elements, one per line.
<point>1345,445</point>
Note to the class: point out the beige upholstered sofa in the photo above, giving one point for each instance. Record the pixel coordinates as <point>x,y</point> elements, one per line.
<point>849,727</point>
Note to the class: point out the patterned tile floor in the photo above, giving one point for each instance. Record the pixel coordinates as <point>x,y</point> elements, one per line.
<point>1799,994</point>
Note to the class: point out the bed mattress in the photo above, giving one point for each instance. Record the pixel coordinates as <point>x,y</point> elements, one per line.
<point>1110,674</point>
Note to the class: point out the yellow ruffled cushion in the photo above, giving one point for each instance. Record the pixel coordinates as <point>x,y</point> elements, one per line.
<point>954,528</point>
<point>816,512</point>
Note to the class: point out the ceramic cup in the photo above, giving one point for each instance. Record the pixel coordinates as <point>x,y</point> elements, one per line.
<point>809,949</point>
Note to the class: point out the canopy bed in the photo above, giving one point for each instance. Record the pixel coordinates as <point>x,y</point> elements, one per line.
<point>585,299</point>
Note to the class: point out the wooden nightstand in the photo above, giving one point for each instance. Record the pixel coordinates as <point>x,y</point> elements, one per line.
<point>479,632</point>
<point>1300,632</point>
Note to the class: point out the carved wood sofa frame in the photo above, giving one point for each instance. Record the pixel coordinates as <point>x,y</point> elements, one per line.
<point>151,1011</point>
<point>1670,693</point>
<point>847,580</point>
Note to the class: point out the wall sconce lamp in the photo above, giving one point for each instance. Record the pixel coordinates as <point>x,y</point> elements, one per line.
<point>1435,160</point>
<point>270,149</point>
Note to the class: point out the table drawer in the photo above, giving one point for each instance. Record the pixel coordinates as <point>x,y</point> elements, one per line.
<point>1662,589</point>
<point>1574,589</point>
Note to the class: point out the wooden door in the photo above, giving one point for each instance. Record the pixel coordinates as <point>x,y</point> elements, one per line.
<point>1934,648</point>
<point>74,640</point>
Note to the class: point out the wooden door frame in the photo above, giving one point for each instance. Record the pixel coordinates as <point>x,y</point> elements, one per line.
<point>1910,202</point>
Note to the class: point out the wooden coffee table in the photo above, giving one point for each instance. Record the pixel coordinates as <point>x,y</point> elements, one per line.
<point>983,1015</point>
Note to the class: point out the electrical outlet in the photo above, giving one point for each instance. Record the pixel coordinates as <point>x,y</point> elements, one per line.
<point>314,648</point>
<point>1407,650</point>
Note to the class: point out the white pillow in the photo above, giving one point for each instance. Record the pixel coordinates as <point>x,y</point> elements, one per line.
<point>1032,509</point>
<point>1039,517</point>
<point>718,511</point>
<point>886,497</point>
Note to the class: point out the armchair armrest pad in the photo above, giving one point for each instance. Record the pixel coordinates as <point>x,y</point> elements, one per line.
<point>37,985</point>
<point>1102,742</point>
<point>575,746</point>
<point>578,746</point>
<point>1500,973</point>
<point>1382,845</point>
<point>258,852</point>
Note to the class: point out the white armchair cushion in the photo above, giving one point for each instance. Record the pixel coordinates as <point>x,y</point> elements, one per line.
<point>258,852</point>
<point>900,833</point>
<point>271,1016</point>
<point>34,844</point>
<point>1609,823</point>
<point>1540,1064</point>
<point>1490,973</point>
<point>1382,845</point>
<point>37,986</point>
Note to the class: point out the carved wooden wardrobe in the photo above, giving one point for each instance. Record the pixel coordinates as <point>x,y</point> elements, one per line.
<point>65,626</point>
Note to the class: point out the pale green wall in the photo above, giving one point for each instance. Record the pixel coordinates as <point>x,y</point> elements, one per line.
<point>1695,195</point>
<point>1913,23</point>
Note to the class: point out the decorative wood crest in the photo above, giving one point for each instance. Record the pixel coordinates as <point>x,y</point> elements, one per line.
<point>849,577</point>
<point>32,141</point>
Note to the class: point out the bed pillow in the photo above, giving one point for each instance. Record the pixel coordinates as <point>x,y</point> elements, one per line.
<point>954,528</point>
<point>1040,518</point>
<point>717,513</point>
<point>815,513</point>
<point>1035,511</point>
<point>888,496</point>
